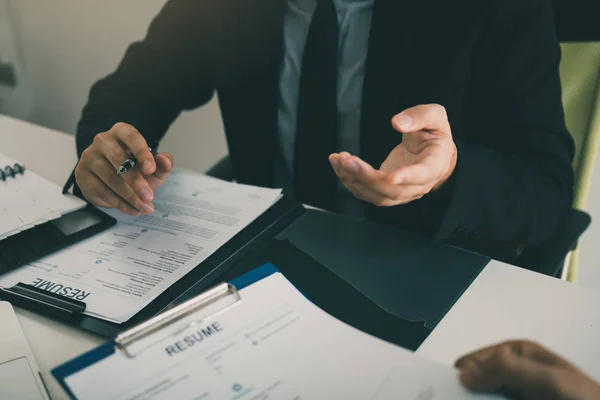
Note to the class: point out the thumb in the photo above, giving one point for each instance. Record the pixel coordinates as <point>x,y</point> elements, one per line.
<point>164,166</point>
<point>164,162</point>
<point>505,371</point>
<point>430,117</point>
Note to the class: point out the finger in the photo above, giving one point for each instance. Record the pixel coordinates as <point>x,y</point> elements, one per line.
<point>103,170</point>
<point>358,170</point>
<point>372,185</point>
<point>164,166</point>
<point>340,164</point>
<point>536,352</point>
<point>359,190</point>
<point>112,150</point>
<point>475,356</point>
<point>100,194</point>
<point>335,159</point>
<point>431,117</point>
<point>382,184</point>
<point>135,142</point>
<point>506,371</point>
<point>344,165</point>
<point>523,348</point>
<point>139,184</point>
<point>115,153</point>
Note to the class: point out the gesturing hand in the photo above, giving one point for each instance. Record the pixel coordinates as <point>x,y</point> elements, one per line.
<point>526,371</point>
<point>424,160</point>
<point>133,192</point>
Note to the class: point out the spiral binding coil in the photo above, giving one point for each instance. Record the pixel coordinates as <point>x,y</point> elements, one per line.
<point>11,172</point>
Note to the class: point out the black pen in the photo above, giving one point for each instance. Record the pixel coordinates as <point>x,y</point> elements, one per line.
<point>131,162</point>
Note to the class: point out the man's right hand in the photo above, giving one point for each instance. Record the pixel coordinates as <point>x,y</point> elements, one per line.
<point>133,192</point>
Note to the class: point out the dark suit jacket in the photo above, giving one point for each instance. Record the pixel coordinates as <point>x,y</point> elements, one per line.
<point>577,20</point>
<point>492,63</point>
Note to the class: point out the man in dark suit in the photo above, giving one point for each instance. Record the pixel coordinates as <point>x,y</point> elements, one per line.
<point>440,117</point>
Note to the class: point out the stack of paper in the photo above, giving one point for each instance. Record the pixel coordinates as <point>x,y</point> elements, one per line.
<point>118,272</point>
<point>29,200</point>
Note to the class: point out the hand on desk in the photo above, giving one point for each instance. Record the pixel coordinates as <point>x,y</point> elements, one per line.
<point>424,160</point>
<point>525,370</point>
<point>131,193</point>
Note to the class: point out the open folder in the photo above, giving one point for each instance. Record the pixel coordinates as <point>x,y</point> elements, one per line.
<point>257,337</point>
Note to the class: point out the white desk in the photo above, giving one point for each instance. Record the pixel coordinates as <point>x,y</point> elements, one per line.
<point>52,155</point>
<point>528,309</point>
<point>505,302</point>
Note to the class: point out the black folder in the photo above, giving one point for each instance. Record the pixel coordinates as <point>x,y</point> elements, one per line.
<point>44,239</point>
<point>38,241</point>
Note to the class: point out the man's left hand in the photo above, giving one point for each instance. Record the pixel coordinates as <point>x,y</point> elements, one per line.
<point>526,371</point>
<point>424,160</point>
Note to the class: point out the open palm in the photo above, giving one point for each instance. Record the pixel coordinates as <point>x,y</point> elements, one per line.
<point>424,160</point>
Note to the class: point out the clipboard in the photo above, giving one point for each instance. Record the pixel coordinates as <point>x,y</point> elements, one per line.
<point>133,342</point>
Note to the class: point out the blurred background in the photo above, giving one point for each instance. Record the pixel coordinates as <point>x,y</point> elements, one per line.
<point>51,52</point>
<point>59,48</point>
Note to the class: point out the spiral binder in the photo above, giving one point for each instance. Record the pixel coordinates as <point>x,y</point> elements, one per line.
<point>11,171</point>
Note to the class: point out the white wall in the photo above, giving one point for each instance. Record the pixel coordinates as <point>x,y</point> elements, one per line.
<point>66,45</point>
<point>589,250</point>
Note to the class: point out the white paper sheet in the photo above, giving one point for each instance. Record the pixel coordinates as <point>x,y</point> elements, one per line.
<point>119,271</point>
<point>272,344</point>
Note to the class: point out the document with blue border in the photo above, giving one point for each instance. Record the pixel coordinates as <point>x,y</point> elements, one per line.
<point>271,344</point>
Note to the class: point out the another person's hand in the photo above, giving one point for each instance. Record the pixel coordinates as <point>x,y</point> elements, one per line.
<point>525,371</point>
<point>133,192</point>
<point>424,160</point>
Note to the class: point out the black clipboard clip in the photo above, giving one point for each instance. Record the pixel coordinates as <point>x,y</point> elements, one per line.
<point>43,302</point>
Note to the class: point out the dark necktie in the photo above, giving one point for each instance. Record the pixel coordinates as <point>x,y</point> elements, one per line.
<point>316,129</point>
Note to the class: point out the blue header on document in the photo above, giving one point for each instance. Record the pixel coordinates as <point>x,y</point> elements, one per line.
<point>254,276</point>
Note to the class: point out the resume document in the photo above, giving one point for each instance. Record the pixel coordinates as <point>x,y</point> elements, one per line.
<point>273,343</point>
<point>118,272</point>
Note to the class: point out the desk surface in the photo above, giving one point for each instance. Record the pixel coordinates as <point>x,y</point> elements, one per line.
<point>52,155</point>
<point>506,302</point>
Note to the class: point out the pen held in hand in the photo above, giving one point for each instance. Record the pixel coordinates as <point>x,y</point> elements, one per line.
<point>131,162</point>
<point>126,166</point>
